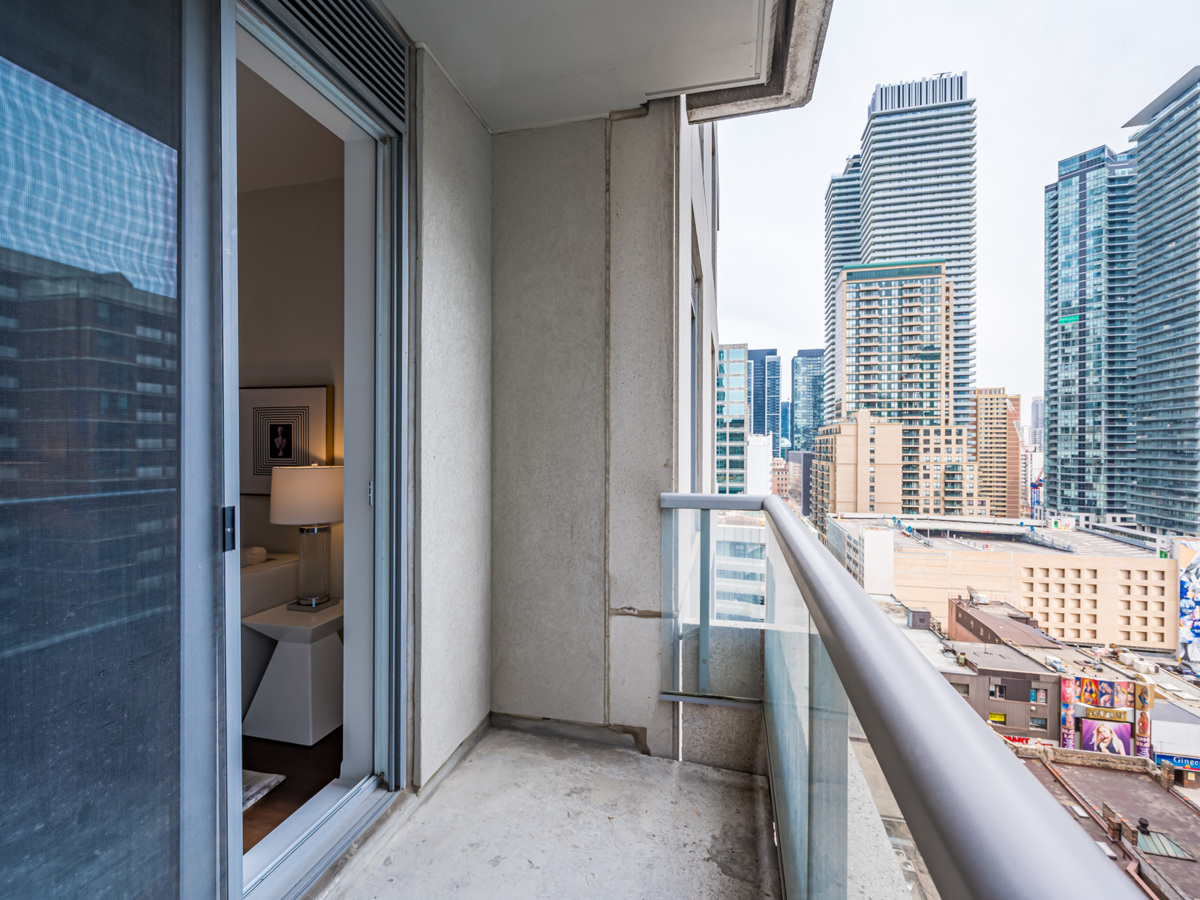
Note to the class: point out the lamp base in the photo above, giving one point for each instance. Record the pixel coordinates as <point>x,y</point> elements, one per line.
<point>310,605</point>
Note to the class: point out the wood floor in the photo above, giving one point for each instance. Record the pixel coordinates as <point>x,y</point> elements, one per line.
<point>305,769</point>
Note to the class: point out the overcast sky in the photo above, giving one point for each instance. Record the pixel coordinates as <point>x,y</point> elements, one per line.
<point>1050,78</point>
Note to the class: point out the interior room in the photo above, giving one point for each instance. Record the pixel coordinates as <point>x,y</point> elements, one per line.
<point>291,316</point>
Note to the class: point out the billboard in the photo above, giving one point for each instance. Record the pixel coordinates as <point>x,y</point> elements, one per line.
<point>1188,553</point>
<point>1107,737</point>
<point>1105,694</point>
<point>1143,700</point>
<point>1179,762</point>
<point>1068,712</point>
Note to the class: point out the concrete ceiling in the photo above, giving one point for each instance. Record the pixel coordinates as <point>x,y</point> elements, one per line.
<point>523,63</point>
<point>278,143</point>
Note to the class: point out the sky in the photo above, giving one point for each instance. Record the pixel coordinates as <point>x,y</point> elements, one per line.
<point>1050,78</point>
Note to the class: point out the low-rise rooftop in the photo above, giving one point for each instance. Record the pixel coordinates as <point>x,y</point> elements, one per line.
<point>997,656</point>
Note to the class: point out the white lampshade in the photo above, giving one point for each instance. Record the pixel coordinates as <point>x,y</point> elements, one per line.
<point>306,495</point>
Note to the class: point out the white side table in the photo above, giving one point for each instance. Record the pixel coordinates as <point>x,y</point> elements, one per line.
<point>300,697</point>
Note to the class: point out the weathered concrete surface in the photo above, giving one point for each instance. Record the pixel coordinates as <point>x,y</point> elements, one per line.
<point>528,816</point>
<point>548,414</point>
<point>453,591</point>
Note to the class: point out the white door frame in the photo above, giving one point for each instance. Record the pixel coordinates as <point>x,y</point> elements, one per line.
<point>374,686</point>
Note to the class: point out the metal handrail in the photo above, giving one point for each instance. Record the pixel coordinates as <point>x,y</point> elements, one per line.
<point>751,502</point>
<point>986,828</point>
<point>984,825</point>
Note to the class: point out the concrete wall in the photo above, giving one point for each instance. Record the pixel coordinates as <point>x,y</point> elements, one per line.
<point>592,385</point>
<point>453,296</point>
<point>548,422</point>
<point>649,348</point>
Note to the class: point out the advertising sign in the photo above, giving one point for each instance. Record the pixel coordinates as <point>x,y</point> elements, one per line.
<point>1104,694</point>
<point>1143,698</point>
<point>1107,737</point>
<point>1108,715</point>
<point>1037,742</point>
<point>1089,694</point>
<point>1179,762</point>
<point>1141,736</point>
<point>1189,592</point>
<point>1068,712</point>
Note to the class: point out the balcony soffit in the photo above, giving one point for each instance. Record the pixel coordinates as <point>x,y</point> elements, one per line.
<point>525,63</point>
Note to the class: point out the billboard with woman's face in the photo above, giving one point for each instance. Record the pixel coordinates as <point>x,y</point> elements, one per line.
<point>1107,737</point>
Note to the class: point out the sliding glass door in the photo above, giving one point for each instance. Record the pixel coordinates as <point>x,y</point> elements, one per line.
<point>94,452</point>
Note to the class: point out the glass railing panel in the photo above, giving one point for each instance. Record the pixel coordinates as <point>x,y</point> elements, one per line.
<point>714,601</point>
<point>840,830</point>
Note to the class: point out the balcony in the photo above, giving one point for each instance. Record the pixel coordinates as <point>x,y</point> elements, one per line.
<point>874,762</point>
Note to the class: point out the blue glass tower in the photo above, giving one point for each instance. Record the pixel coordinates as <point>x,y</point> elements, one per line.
<point>1090,273</point>
<point>764,396</point>
<point>808,397</point>
<point>1166,314</point>
<point>843,231</point>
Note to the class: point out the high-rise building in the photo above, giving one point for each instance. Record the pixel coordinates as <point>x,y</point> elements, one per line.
<point>808,396</point>
<point>758,464</point>
<point>785,426</point>
<point>918,196</point>
<point>856,468</point>
<point>915,178</point>
<point>998,451</point>
<point>731,418</point>
<point>1037,424</point>
<point>864,464</point>
<point>895,359</point>
<point>764,396</point>
<point>1165,320</point>
<point>843,216</point>
<point>1090,269</point>
<point>896,354</point>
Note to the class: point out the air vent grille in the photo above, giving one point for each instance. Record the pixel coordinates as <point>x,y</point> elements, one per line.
<point>357,44</point>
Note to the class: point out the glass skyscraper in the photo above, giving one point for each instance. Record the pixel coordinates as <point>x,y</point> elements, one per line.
<point>764,394</point>
<point>843,218</point>
<point>1037,424</point>
<point>915,178</point>
<point>808,397</point>
<point>1165,494</point>
<point>731,418</point>
<point>1090,272</point>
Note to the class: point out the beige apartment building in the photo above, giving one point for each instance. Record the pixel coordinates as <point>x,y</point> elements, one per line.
<point>1099,591</point>
<point>998,448</point>
<point>856,468</point>
<point>867,465</point>
<point>894,342</point>
<point>779,476</point>
<point>892,360</point>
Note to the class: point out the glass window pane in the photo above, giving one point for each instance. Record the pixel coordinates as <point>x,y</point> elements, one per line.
<point>89,449</point>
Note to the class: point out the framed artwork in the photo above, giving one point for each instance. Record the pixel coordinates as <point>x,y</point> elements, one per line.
<point>283,427</point>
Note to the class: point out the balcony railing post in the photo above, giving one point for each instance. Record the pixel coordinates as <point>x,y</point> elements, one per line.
<point>829,738</point>
<point>707,571</point>
<point>672,636</point>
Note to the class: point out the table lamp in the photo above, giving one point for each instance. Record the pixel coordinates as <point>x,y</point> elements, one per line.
<point>311,497</point>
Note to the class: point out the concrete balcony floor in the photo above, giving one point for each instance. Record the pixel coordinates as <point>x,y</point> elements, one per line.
<point>527,815</point>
